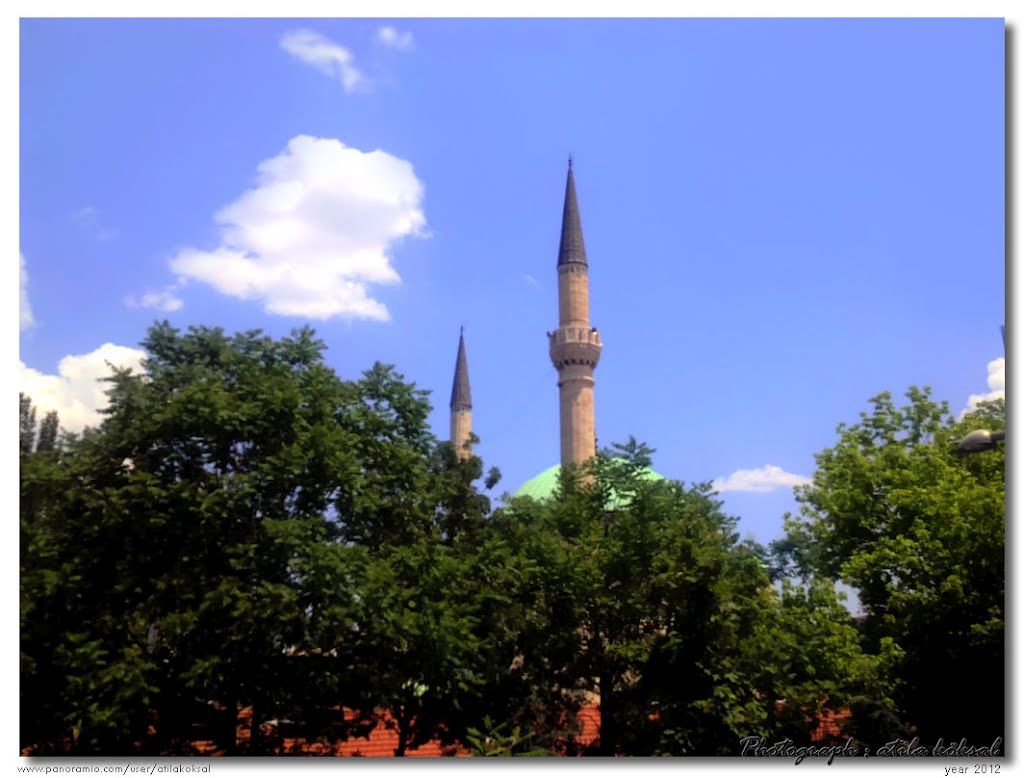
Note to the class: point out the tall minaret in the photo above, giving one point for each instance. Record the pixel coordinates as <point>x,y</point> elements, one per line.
<point>575,346</point>
<point>461,405</point>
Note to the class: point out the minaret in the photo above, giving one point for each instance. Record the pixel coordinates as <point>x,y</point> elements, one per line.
<point>575,346</point>
<point>461,405</point>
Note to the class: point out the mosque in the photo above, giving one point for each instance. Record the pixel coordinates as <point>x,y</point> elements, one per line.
<point>575,349</point>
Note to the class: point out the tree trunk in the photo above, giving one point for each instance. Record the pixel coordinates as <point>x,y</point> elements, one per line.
<point>230,735</point>
<point>606,736</point>
<point>255,733</point>
<point>403,733</point>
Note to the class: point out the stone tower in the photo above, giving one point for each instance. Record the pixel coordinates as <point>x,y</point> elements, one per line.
<point>461,405</point>
<point>575,346</point>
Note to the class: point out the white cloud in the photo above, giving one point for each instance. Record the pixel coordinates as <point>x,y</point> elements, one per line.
<point>314,233</point>
<point>88,218</point>
<point>86,215</point>
<point>760,479</point>
<point>165,300</point>
<point>76,392</point>
<point>389,36</point>
<point>996,386</point>
<point>26,320</point>
<point>326,56</point>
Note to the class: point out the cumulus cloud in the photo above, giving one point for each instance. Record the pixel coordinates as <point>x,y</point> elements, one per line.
<point>314,233</point>
<point>165,300</point>
<point>76,392</point>
<point>326,56</point>
<point>996,386</point>
<point>389,36</point>
<point>760,479</point>
<point>26,320</point>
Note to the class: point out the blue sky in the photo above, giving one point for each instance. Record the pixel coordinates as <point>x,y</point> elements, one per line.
<point>782,217</point>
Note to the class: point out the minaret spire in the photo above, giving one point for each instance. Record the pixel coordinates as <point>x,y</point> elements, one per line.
<point>571,248</point>
<point>575,346</point>
<point>462,404</point>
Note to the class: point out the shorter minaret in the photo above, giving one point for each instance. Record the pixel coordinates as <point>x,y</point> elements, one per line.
<point>461,405</point>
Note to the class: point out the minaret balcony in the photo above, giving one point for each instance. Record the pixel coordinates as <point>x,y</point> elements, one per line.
<point>574,346</point>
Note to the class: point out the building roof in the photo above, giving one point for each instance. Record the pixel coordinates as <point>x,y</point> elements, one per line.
<point>380,741</point>
<point>461,399</point>
<point>543,485</point>
<point>571,248</point>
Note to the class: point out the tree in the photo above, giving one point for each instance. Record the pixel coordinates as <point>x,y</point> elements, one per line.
<point>45,610</point>
<point>171,548</point>
<point>48,429</point>
<point>410,520</point>
<point>417,642</point>
<point>31,442</point>
<point>247,535</point>
<point>636,594</point>
<point>918,531</point>
<point>247,532</point>
<point>803,664</point>
<point>26,423</point>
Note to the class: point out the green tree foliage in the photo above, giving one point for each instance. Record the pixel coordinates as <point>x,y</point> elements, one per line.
<point>31,439</point>
<point>48,429</point>
<point>420,639</point>
<point>637,594</point>
<point>918,531</point>
<point>803,663</point>
<point>26,423</point>
<point>500,740</point>
<point>42,609</point>
<point>246,530</point>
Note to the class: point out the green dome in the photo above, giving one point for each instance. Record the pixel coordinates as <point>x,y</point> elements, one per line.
<point>543,485</point>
